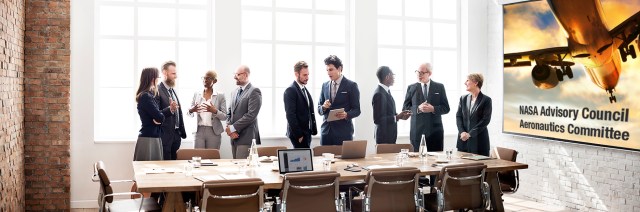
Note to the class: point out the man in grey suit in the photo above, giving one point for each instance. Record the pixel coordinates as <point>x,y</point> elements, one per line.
<point>242,121</point>
<point>427,101</point>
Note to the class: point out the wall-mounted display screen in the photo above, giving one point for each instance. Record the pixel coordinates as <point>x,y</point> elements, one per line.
<point>571,71</point>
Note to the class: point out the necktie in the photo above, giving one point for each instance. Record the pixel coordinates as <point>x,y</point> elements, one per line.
<point>334,90</point>
<point>304,93</point>
<point>238,96</point>
<point>174,97</point>
<point>425,91</point>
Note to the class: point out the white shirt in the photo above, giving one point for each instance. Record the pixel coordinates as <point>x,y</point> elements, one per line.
<point>386,88</point>
<point>205,118</point>
<point>303,93</point>
<point>425,91</point>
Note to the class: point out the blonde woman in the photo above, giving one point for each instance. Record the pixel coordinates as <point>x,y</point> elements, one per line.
<point>149,145</point>
<point>472,118</point>
<point>210,107</point>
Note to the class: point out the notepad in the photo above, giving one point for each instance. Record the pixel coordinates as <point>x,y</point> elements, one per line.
<point>475,157</point>
<point>234,176</point>
<point>379,167</point>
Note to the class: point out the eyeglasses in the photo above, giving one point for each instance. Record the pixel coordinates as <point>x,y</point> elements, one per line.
<point>422,73</point>
<point>238,74</point>
<point>206,78</point>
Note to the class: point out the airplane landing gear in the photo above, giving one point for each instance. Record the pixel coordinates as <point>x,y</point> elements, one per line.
<point>612,98</point>
<point>626,51</point>
<point>566,70</point>
<point>559,74</point>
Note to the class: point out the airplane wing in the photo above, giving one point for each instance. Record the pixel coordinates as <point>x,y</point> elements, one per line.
<point>628,30</point>
<point>554,56</point>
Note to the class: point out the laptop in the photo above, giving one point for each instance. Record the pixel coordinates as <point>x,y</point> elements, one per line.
<point>354,149</point>
<point>295,160</point>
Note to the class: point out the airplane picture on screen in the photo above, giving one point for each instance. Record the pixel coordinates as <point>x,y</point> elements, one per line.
<point>590,43</point>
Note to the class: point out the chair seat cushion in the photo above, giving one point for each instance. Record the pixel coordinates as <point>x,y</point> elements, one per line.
<point>149,204</point>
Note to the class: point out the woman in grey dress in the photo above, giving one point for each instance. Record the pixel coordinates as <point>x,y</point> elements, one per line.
<point>210,107</point>
<point>149,145</point>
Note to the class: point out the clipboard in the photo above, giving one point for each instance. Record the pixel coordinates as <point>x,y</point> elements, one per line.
<point>332,114</point>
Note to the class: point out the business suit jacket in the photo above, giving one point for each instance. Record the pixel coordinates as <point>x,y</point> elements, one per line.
<point>384,117</point>
<point>218,100</point>
<point>244,115</point>
<point>347,97</point>
<point>426,123</point>
<point>170,120</point>
<point>474,123</point>
<point>301,119</point>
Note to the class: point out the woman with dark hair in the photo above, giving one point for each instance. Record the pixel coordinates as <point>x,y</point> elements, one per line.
<point>149,145</point>
<point>211,108</point>
<point>472,118</point>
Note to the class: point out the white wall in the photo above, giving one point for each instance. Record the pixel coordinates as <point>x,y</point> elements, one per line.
<point>578,177</point>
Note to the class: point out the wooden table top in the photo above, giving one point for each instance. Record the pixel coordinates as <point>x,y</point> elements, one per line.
<point>177,181</point>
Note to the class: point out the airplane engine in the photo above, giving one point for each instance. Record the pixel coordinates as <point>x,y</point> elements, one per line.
<point>544,76</point>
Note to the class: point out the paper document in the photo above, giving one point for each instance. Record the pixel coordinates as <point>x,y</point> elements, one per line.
<point>475,157</point>
<point>333,114</point>
<point>379,167</point>
<point>158,170</point>
<point>234,176</point>
<point>205,178</point>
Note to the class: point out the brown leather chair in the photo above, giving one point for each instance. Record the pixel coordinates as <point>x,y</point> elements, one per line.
<point>105,196</point>
<point>310,191</point>
<point>334,149</point>
<point>269,150</point>
<point>389,189</point>
<point>186,154</point>
<point>392,148</point>
<point>509,180</point>
<point>233,195</point>
<point>460,187</point>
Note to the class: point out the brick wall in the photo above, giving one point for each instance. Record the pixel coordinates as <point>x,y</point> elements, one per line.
<point>46,120</point>
<point>578,177</point>
<point>11,106</point>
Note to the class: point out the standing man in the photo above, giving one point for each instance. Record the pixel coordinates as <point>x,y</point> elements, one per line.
<point>242,123</point>
<point>173,126</point>
<point>384,109</point>
<point>338,93</point>
<point>427,101</point>
<point>298,104</point>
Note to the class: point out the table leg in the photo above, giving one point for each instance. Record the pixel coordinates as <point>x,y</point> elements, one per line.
<point>173,203</point>
<point>496,193</point>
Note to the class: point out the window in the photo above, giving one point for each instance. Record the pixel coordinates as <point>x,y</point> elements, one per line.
<point>276,35</point>
<point>131,35</point>
<point>411,32</point>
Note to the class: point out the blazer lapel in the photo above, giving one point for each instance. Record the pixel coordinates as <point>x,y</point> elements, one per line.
<point>420,93</point>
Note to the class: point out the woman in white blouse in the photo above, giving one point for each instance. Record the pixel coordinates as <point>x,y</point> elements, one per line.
<point>210,107</point>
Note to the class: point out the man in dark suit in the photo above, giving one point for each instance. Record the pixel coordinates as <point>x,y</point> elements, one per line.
<point>337,93</point>
<point>384,109</point>
<point>472,118</point>
<point>298,105</point>
<point>173,126</point>
<point>427,101</point>
<point>242,123</point>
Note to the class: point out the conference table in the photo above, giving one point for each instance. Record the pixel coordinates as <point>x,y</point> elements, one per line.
<point>169,176</point>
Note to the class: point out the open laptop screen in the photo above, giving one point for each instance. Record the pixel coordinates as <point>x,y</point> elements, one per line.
<point>295,160</point>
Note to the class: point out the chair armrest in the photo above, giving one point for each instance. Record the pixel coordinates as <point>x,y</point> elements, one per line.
<point>122,194</point>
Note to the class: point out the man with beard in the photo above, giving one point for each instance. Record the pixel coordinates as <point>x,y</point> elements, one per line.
<point>173,126</point>
<point>242,121</point>
<point>298,105</point>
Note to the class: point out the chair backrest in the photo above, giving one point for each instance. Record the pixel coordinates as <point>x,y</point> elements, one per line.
<point>334,149</point>
<point>392,148</point>
<point>269,150</point>
<point>310,190</point>
<point>462,186</point>
<point>391,189</point>
<point>233,195</point>
<point>186,154</point>
<point>509,180</point>
<point>105,184</point>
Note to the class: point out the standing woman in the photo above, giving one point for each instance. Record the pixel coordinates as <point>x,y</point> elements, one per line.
<point>472,118</point>
<point>211,108</point>
<point>149,145</point>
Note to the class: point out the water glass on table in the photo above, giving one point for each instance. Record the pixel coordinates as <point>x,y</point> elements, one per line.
<point>196,161</point>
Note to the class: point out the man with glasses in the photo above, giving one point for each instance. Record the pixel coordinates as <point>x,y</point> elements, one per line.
<point>298,105</point>
<point>385,116</point>
<point>338,93</point>
<point>427,101</point>
<point>242,121</point>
